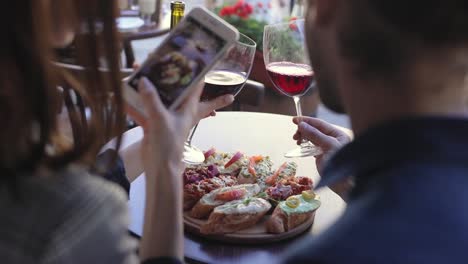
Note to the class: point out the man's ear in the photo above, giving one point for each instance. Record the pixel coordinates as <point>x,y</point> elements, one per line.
<point>325,10</point>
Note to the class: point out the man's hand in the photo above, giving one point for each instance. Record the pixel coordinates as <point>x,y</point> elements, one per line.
<point>330,139</point>
<point>322,134</point>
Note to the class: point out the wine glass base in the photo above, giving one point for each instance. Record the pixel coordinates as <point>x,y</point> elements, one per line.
<point>305,150</point>
<point>192,155</point>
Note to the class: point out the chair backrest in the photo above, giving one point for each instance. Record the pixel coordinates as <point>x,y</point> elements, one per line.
<point>146,33</point>
<point>77,70</point>
<point>252,95</point>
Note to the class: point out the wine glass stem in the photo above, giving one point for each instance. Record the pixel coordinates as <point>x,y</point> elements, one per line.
<point>297,103</point>
<point>192,133</point>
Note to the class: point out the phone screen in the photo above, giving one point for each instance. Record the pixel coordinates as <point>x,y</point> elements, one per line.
<point>180,59</point>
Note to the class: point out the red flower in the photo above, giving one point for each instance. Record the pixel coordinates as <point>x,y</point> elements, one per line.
<point>293,27</point>
<point>248,8</point>
<point>260,4</point>
<point>244,16</point>
<point>239,4</point>
<point>241,9</point>
<point>227,11</point>
<point>223,12</point>
<point>292,24</point>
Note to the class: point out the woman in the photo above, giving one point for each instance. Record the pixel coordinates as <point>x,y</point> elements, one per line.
<point>53,210</point>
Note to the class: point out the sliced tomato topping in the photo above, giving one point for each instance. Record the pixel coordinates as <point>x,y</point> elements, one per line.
<point>209,152</point>
<point>257,159</point>
<point>272,179</point>
<point>234,158</point>
<point>251,167</point>
<point>231,195</point>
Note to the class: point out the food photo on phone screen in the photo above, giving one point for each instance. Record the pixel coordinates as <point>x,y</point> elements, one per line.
<point>180,60</point>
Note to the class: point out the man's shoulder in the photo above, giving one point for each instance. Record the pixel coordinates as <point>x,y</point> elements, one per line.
<point>341,243</point>
<point>383,225</point>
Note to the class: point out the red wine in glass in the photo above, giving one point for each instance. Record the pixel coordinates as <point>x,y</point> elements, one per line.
<point>221,82</point>
<point>290,70</point>
<point>292,79</point>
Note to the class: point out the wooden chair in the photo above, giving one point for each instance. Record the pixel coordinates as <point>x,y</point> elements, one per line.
<point>144,33</point>
<point>77,70</point>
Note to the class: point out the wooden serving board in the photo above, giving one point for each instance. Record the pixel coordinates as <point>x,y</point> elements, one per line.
<point>256,234</point>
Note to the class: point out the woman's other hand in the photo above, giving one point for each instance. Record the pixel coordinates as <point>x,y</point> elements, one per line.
<point>207,109</point>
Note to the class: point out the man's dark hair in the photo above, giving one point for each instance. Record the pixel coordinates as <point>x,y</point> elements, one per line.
<point>384,35</point>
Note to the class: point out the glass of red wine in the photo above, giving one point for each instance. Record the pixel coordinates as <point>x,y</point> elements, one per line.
<point>289,68</point>
<point>228,76</point>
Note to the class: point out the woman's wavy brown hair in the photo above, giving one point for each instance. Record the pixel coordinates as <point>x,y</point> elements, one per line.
<point>29,81</point>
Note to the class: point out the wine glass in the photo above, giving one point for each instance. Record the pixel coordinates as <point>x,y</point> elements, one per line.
<point>289,68</point>
<point>228,76</point>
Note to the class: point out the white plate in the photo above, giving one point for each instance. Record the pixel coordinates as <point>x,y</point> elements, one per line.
<point>125,24</point>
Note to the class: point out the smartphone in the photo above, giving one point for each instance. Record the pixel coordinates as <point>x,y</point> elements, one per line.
<point>182,60</point>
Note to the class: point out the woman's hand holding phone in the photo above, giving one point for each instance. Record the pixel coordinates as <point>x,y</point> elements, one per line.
<point>164,134</point>
<point>181,61</point>
<point>165,129</point>
<point>205,108</point>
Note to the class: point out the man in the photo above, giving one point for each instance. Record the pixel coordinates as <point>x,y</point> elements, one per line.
<point>398,69</point>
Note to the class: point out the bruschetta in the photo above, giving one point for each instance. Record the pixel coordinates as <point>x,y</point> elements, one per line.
<point>195,191</point>
<point>233,166</point>
<point>258,167</point>
<point>286,170</point>
<point>288,187</point>
<point>293,212</point>
<point>235,216</point>
<point>221,196</point>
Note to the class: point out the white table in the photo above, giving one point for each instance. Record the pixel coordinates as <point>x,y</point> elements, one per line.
<point>251,133</point>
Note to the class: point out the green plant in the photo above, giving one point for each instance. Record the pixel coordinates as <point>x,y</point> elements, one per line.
<point>288,47</point>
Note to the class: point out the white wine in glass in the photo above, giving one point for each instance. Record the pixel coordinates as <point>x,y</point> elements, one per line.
<point>228,76</point>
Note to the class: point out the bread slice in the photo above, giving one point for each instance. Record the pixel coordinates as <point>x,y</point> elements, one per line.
<point>190,199</point>
<point>285,218</point>
<point>235,216</point>
<point>221,196</point>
